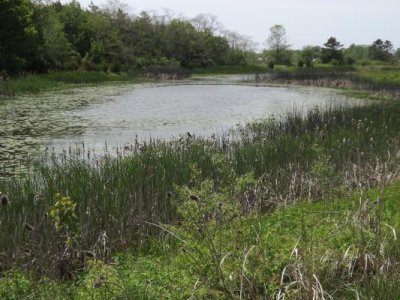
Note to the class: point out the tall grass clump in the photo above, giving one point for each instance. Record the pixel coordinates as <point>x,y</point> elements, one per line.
<point>72,210</point>
<point>375,82</point>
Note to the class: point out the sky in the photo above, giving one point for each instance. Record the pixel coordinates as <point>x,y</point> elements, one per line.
<point>307,22</point>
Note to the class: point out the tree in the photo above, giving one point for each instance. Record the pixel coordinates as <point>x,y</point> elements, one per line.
<point>75,26</point>
<point>381,50</point>
<point>17,36</point>
<point>358,52</point>
<point>309,54</point>
<point>277,41</point>
<point>240,46</point>
<point>145,37</point>
<point>45,35</point>
<point>58,50</point>
<point>216,49</point>
<point>206,22</point>
<point>332,51</point>
<point>182,44</point>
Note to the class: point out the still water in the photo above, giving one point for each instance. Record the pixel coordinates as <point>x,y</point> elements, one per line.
<point>117,115</point>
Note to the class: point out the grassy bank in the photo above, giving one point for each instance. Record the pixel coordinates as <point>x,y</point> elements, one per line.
<point>61,80</point>
<point>54,81</point>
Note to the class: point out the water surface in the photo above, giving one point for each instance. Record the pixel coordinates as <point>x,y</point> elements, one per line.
<point>117,115</point>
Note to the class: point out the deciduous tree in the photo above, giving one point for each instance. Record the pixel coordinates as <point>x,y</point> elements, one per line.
<point>278,43</point>
<point>309,54</point>
<point>17,36</point>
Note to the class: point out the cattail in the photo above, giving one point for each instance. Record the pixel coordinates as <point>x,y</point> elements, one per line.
<point>194,198</point>
<point>4,199</point>
<point>99,282</point>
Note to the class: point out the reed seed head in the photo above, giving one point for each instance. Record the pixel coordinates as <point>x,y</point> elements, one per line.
<point>194,198</point>
<point>4,199</point>
<point>97,284</point>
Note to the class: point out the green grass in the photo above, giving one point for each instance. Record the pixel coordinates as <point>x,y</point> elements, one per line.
<point>229,69</point>
<point>385,74</point>
<point>57,80</point>
<point>371,80</point>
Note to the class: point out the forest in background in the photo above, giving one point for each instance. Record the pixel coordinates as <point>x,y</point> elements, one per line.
<point>43,36</point>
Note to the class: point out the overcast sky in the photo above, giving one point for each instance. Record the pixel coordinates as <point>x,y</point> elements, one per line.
<point>307,22</point>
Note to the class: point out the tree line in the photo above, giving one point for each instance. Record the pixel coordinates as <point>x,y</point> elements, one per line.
<point>40,36</point>
<point>333,51</point>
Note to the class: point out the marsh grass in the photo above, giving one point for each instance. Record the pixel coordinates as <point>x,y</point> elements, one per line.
<point>380,81</point>
<point>57,80</point>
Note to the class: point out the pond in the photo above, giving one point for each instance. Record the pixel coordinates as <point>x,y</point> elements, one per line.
<point>120,114</point>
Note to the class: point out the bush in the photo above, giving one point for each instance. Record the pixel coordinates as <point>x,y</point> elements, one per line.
<point>114,67</point>
<point>350,60</point>
<point>336,62</point>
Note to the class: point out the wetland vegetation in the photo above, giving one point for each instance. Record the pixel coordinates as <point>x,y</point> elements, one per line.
<point>301,204</point>
<point>232,215</point>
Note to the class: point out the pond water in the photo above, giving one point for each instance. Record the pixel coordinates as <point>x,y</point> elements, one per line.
<point>119,114</point>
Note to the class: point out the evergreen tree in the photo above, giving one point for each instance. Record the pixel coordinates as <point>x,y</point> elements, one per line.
<point>332,51</point>
<point>381,50</point>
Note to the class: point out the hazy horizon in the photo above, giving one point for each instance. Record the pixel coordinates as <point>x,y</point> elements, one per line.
<point>307,22</point>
